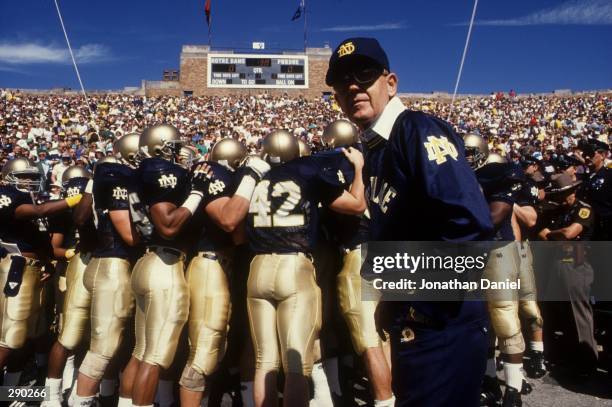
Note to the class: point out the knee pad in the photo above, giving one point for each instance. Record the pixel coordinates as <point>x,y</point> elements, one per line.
<point>512,345</point>
<point>192,380</point>
<point>94,366</point>
<point>504,318</point>
<point>531,312</point>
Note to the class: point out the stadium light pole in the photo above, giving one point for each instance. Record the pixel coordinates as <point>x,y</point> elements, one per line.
<point>465,48</point>
<point>76,68</point>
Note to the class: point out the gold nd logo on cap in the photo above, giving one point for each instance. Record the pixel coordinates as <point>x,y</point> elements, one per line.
<point>346,49</point>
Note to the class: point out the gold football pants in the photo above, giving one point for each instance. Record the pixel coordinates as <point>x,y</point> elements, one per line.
<point>108,282</point>
<point>284,305</point>
<point>209,312</point>
<point>528,305</point>
<point>358,313</point>
<point>503,264</point>
<point>162,304</point>
<point>77,302</point>
<point>19,314</point>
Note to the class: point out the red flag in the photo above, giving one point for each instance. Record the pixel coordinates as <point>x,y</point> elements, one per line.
<point>207,11</point>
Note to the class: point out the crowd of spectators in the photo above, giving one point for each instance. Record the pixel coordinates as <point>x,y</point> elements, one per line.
<point>60,130</point>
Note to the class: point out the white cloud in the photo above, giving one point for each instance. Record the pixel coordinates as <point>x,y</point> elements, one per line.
<point>585,12</point>
<point>373,27</point>
<point>34,53</point>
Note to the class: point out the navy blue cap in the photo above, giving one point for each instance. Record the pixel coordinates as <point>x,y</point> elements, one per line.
<point>355,48</point>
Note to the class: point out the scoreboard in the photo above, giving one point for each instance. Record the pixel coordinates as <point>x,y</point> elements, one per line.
<point>257,71</point>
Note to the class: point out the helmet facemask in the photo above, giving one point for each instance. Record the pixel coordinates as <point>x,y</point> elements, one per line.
<point>26,181</point>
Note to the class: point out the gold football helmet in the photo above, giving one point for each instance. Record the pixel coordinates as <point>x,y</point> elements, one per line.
<point>125,149</point>
<point>280,146</point>
<point>228,152</point>
<point>496,158</point>
<point>162,141</point>
<point>23,174</point>
<point>476,150</point>
<point>74,171</point>
<point>340,133</point>
<point>304,148</point>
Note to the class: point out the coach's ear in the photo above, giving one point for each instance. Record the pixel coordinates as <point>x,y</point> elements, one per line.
<point>391,84</point>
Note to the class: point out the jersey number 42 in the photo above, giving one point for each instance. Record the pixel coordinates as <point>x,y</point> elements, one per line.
<point>261,206</point>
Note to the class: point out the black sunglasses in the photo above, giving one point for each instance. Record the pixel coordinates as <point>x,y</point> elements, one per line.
<point>360,76</point>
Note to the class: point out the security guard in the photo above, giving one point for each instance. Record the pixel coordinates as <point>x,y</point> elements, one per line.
<point>419,187</point>
<point>574,275</point>
<point>25,249</point>
<point>598,188</point>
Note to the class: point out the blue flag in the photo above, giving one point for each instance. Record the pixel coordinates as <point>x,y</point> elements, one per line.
<point>298,12</point>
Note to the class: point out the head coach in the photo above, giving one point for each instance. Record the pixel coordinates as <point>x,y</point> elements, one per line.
<point>419,187</point>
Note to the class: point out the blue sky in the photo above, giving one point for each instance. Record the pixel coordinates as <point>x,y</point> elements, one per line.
<point>528,45</point>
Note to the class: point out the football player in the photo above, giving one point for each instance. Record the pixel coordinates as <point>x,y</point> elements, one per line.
<point>524,219</point>
<point>158,281</point>
<point>24,250</point>
<point>75,307</point>
<point>284,301</point>
<point>500,183</point>
<point>354,292</point>
<point>209,271</point>
<point>107,276</point>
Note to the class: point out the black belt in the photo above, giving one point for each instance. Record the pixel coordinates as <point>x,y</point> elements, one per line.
<point>208,255</point>
<point>167,250</point>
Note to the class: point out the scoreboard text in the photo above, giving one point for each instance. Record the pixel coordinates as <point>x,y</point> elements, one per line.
<point>257,71</point>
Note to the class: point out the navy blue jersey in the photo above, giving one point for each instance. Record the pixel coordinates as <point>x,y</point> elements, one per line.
<point>419,185</point>
<point>62,223</point>
<point>501,183</point>
<point>283,215</point>
<point>346,231</point>
<point>26,234</point>
<point>211,236</point>
<point>112,184</point>
<point>162,181</point>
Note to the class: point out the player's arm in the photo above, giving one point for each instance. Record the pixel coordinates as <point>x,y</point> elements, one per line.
<point>123,225</point>
<point>31,211</point>
<point>83,211</point>
<point>499,211</point>
<point>169,219</point>
<point>526,215</point>
<point>228,213</point>
<point>352,202</point>
<point>57,239</point>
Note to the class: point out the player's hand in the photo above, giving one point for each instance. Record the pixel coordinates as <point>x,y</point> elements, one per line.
<point>354,156</point>
<point>201,178</point>
<point>257,166</point>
